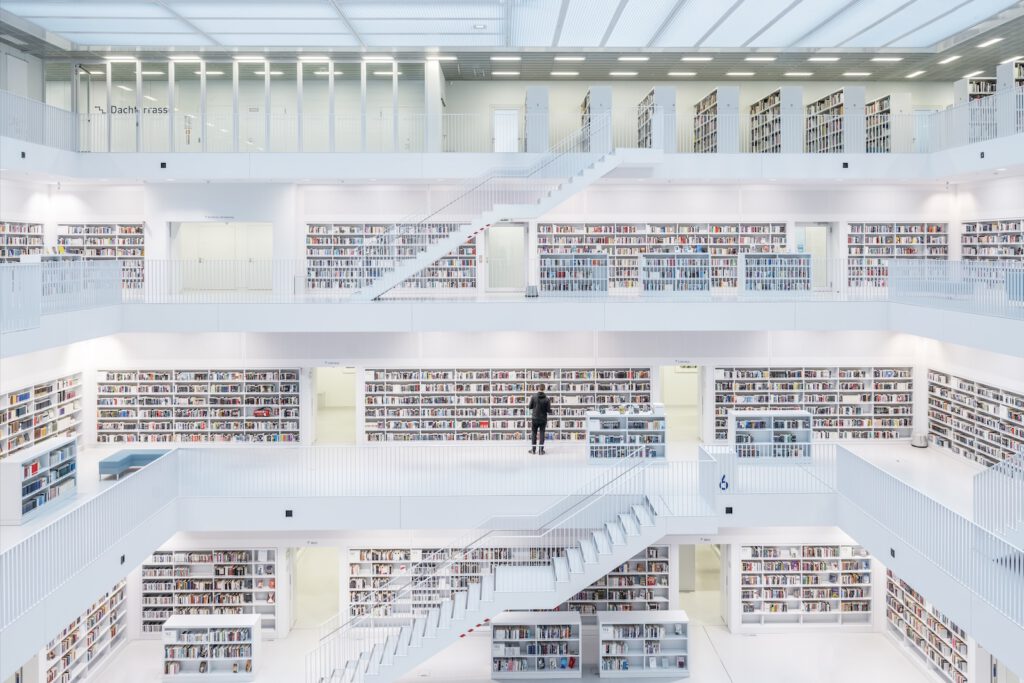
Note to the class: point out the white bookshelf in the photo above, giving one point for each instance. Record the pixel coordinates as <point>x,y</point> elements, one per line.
<point>771,433</point>
<point>927,632</point>
<point>640,584</point>
<point>32,414</point>
<point>682,272</point>
<point>779,273</point>
<point>612,435</point>
<point>626,243</point>
<point>870,245</point>
<point>997,240</point>
<point>976,420</point>
<point>34,479</point>
<point>255,405</point>
<point>88,643</point>
<point>596,111</point>
<point>978,115</point>
<point>125,242</point>
<point>573,273</point>
<point>539,645</point>
<point>644,644</point>
<point>19,239</point>
<point>889,124</point>
<point>1010,88</point>
<point>846,403</point>
<point>489,404</point>
<point>776,122</point>
<point>836,123</point>
<point>348,256</point>
<point>211,647</point>
<point>203,583</point>
<point>805,584</point>
<point>716,121</point>
<point>656,120</point>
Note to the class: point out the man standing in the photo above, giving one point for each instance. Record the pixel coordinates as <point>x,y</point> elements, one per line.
<point>540,406</point>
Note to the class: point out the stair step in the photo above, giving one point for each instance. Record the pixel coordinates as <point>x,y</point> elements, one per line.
<point>561,567</point>
<point>473,599</point>
<point>418,626</point>
<point>629,524</point>
<point>348,674</point>
<point>433,615</point>
<point>643,515</point>
<point>589,550</point>
<point>615,532</point>
<point>388,657</point>
<point>487,588</point>
<point>444,619</point>
<point>404,637</point>
<point>459,608</point>
<point>575,558</point>
<point>603,543</point>
<point>373,665</point>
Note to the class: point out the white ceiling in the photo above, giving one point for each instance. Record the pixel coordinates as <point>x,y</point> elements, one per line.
<point>904,25</point>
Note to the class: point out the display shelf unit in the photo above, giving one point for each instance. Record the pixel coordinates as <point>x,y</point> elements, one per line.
<point>805,584</point>
<point>612,435</point>
<point>889,124</point>
<point>35,479</point>
<point>211,647</point>
<point>846,403</point>
<point>776,121</point>
<point>644,644</point>
<point>1001,240</point>
<point>32,414</point>
<point>489,404</point>
<point>19,239</point>
<point>640,584</point>
<point>256,405</point>
<point>661,273</point>
<point>771,433</point>
<point>87,643</point>
<point>656,118</point>
<point>540,645</point>
<point>210,582</point>
<point>1010,88</point>
<point>977,420</point>
<point>836,123</point>
<point>574,273</point>
<point>595,117</point>
<point>348,256</point>
<point>926,631</point>
<point>779,273</point>
<point>625,243</point>
<point>870,245</point>
<point>125,242</point>
<point>716,121</point>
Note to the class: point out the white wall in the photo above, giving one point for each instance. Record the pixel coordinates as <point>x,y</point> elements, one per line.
<point>35,71</point>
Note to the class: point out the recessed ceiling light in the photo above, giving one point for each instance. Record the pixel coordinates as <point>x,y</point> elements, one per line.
<point>974,73</point>
<point>915,74</point>
<point>152,73</point>
<point>505,58</point>
<point>622,73</point>
<point>823,59</point>
<point>760,59</point>
<point>479,27</point>
<point>125,88</point>
<point>991,41</point>
<point>633,59</point>
<point>272,73</point>
<point>682,73</point>
<point>313,58</point>
<point>799,73</point>
<point>857,74</point>
<point>149,97</point>
<point>386,73</point>
<point>1018,58</point>
<point>184,58</point>
<point>504,73</point>
<point>378,58</point>
<point>887,59</point>
<point>697,59</point>
<point>949,60</point>
<point>120,58</point>
<point>441,58</point>
<point>209,73</point>
<point>325,73</point>
<point>1000,169</point>
<point>249,58</point>
<point>565,73</point>
<point>570,58</point>
<point>739,73</point>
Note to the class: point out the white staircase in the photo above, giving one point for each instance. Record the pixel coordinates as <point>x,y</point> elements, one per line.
<point>586,536</point>
<point>500,195</point>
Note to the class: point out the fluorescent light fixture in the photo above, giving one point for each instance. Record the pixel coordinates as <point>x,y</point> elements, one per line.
<point>799,73</point>
<point>250,58</point>
<point>505,58</point>
<point>855,74</point>
<point>441,58</point>
<point>1018,58</point>
<point>915,74</point>
<point>185,58</point>
<point>622,73</point>
<point>887,59</point>
<point>697,59</point>
<point>149,97</point>
<point>950,60</point>
<point>324,73</point>
<point>739,73</point>
<point>209,73</point>
<point>565,73</point>
<point>634,59</point>
<point>125,88</point>
<point>823,59</point>
<point>682,73</point>
<point>570,58</point>
<point>760,59</point>
<point>479,27</point>
<point>120,58</point>
<point>152,73</point>
<point>378,58</point>
<point>991,41</point>
<point>974,73</point>
<point>272,73</point>
<point>386,73</point>
<point>504,73</point>
<point>313,58</point>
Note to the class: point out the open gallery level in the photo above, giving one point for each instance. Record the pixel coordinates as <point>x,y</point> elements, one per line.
<point>351,341</point>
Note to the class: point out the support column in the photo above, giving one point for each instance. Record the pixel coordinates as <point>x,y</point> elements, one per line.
<point>433,106</point>
<point>538,119</point>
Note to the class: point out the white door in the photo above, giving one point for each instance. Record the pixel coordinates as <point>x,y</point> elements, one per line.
<point>506,258</point>
<point>224,256</point>
<point>506,130</point>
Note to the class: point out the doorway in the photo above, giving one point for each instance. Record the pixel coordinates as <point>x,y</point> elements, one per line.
<point>505,129</point>
<point>317,573</point>
<point>814,239</point>
<point>506,257</point>
<point>223,256</point>
<point>335,405</point>
<point>680,394</point>
<point>700,583</point>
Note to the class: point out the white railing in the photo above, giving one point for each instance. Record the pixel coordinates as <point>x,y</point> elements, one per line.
<point>33,121</point>
<point>751,473</point>
<point>21,293</point>
<point>78,285</point>
<point>999,497</point>
<point>985,288</point>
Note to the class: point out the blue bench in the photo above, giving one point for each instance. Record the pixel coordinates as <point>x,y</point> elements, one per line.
<point>120,462</point>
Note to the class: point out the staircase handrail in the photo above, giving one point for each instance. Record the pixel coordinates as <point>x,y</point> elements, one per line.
<point>999,495</point>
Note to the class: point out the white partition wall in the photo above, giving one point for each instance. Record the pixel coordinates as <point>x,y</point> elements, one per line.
<point>537,119</point>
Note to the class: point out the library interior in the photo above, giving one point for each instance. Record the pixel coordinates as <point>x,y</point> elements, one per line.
<point>372,341</point>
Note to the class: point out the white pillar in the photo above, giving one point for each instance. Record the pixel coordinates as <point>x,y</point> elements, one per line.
<point>433,105</point>
<point>537,119</point>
